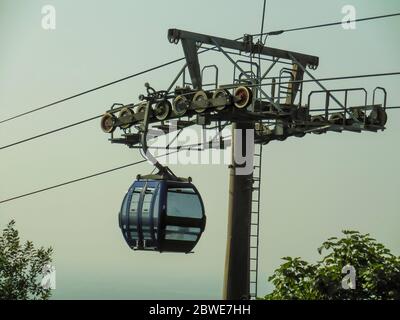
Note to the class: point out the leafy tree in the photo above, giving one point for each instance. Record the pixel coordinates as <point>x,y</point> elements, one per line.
<point>377,272</point>
<point>21,267</point>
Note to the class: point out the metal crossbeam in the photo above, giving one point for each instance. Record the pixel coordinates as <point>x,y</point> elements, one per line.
<point>190,39</point>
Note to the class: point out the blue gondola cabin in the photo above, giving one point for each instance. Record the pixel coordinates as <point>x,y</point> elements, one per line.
<point>162,215</point>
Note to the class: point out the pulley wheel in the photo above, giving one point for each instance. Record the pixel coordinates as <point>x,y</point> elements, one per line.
<point>200,96</point>
<point>378,116</point>
<point>337,118</point>
<point>141,108</point>
<point>243,97</point>
<point>318,119</point>
<point>218,94</point>
<point>162,110</point>
<point>180,105</point>
<point>107,122</point>
<point>124,113</point>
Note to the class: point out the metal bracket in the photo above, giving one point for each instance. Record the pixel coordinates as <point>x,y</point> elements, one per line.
<point>144,131</point>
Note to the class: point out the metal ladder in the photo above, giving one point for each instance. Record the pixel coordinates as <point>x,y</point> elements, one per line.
<point>255,221</point>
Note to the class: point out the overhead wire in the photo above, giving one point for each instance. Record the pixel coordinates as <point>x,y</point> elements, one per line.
<point>71,181</point>
<point>324,25</point>
<point>184,147</point>
<point>89,91</point>
<point>49,132</point>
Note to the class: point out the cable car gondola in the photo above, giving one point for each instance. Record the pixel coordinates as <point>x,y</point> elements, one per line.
<point>162,215</point>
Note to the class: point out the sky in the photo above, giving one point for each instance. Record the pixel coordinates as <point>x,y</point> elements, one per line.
<point>312,188</point>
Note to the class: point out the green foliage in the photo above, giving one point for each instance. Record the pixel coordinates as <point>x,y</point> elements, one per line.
<point>21,266</point>
<point>377,272</point>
